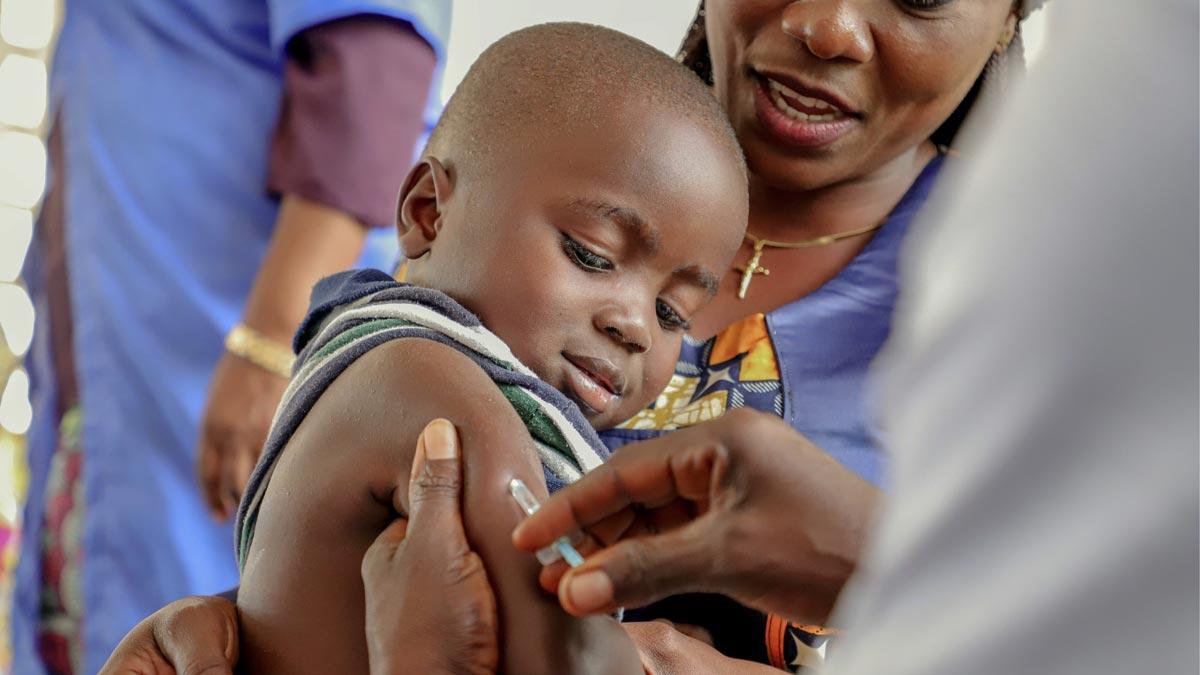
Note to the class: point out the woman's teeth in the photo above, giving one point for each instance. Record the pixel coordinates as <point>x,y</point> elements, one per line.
<point>827,113</point>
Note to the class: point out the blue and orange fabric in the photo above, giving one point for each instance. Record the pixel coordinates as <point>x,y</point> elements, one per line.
<point>741,369</point>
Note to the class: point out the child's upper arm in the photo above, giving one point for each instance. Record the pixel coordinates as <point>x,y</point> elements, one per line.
<point>374,413</point>
<point>536,635</point>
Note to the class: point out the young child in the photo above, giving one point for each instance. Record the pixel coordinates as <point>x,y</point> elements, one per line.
<point>577,203</point>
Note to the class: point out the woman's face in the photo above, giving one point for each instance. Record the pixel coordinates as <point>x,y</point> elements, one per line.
<point>825,91</point>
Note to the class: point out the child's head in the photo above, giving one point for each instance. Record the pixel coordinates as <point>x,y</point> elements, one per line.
<point>583,194</point>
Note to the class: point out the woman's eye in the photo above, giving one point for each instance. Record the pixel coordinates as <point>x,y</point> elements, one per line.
<point>669,318</point>
<point>584,257</point>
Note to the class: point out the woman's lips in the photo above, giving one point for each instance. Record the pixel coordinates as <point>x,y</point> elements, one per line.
<point>797,119</point>
<point>590,389</point>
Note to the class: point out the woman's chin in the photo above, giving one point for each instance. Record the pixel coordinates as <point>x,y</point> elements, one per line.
<point>785,171</point>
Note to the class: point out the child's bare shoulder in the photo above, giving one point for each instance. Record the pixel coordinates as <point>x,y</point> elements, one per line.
<point>358,439</point>
<point>388,395</point>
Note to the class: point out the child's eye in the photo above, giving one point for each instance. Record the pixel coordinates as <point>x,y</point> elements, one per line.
<point>584,257</point>
<point>669,318</point>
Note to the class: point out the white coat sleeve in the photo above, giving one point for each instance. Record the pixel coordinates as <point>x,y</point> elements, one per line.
<point>1040,390</point>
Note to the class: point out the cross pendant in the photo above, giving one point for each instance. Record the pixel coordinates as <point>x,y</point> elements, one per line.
<point>752,267</point>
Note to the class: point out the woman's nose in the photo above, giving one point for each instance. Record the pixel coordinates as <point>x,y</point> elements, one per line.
<point>626,327</point>
<point>830,29</point>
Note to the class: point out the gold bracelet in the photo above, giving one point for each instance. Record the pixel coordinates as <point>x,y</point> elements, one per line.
<point>247,343</point>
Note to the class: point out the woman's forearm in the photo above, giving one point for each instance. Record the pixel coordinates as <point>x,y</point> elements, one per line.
<point>311,241</point>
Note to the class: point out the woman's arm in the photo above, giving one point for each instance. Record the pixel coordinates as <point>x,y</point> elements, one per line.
<point>323,509</point>
<point>354,93</point>
<point>310,241</point>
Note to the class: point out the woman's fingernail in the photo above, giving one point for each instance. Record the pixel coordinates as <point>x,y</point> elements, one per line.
<point>441,440</point>
<point>418,457</point>
<point>589,591</point>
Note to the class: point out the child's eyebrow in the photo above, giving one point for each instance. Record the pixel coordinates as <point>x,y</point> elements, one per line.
<point>701,277</point>
<point>626,218</point>
<point>632,222</point>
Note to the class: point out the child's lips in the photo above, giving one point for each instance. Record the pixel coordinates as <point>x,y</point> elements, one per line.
<point>591,383</point>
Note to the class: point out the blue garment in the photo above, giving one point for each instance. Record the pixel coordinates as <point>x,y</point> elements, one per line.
<point>166,112</point>
<point>806,362</point>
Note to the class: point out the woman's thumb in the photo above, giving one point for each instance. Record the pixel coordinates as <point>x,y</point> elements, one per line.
<point>435,487</point>
<point>199,636</point>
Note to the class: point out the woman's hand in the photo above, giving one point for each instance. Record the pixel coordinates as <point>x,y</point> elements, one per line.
<point>430,608</point>
<point>310,241</point>
<point>241,403</point>
<point>192,636</point>
<point>742,505</point>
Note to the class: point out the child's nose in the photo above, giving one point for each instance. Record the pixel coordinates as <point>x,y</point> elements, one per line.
<point>626,327</point>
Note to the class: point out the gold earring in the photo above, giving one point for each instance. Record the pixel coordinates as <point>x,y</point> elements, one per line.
<point>1006,38</point>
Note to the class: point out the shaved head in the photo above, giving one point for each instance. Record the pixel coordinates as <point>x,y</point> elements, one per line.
<point>560,77</point>
<point>583,195</point>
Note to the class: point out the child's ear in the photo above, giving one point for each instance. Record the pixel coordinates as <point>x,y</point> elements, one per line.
<point>422,203</point>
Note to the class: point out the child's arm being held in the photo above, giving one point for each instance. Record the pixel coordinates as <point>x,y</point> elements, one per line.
<point>302,600</point>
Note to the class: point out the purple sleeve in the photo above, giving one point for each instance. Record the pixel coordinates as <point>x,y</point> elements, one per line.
<point>354,93</point>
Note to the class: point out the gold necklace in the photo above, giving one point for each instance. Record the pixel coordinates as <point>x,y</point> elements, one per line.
<point>752,267</point>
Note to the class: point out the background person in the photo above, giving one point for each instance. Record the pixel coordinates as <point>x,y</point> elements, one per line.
<point>202,152</point>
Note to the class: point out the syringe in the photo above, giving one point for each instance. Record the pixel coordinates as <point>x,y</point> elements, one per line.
<point>562,547</point>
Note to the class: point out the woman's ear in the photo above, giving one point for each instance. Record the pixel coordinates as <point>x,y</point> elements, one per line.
<point>422,206</point>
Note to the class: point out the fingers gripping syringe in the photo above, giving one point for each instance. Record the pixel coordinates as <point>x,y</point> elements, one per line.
<point>562,547</point>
